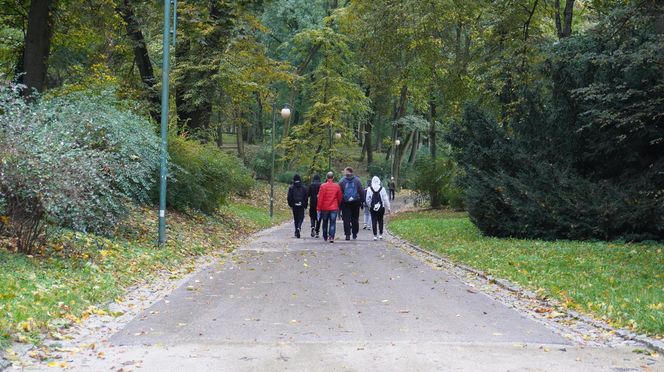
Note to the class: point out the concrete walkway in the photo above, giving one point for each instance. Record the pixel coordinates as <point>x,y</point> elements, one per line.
<point>302,304</point>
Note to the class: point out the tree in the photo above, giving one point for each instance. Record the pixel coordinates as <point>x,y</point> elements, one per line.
<point>334,96</point>
<point>34,63</point>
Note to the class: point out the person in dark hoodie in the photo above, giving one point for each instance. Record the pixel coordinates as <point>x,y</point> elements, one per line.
<point>297,200</point>
<point>353,198</point>
<point>313,206</point>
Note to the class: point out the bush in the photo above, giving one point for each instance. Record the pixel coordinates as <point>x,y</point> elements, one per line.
<point>74,161</point>
<point>433,181</point>
<point>285,177</point>
<point>203,176</point>
<point>580,155</point>
<point>260,161</point>
<point>514,192</point>
<point>381,169</point>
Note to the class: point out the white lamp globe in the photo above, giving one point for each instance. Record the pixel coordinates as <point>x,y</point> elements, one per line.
<point>397,142</point>
<point>285,113</point>
<point>337,135</point>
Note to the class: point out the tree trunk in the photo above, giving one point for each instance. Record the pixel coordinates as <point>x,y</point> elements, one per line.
<point>260,128</point>
<point>37,45</point>
<point>367,140</point>
<point>564,26</point>
<point>432,128</point>
<point>239,140</point>
<point>220,135</point>
<point>141,56</point>
<point>414,147</point>
<point>659,17</point>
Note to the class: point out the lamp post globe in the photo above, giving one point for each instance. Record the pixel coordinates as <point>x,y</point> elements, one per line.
<point>285,112</point>
<point>397,142</point>
<point>337,136</point>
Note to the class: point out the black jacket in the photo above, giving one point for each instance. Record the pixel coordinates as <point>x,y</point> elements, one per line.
<point>314,188</point>
<point>298,189</point>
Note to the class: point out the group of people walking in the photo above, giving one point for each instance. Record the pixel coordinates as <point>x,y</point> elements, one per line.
<point>329,199</point>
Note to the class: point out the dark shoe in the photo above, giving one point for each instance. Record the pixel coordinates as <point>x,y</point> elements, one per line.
<point>331,240</point>
<point>354,236</point>
<point>313,232</point>
<point>297,233</point>
<point>325,238</point>
<point>318,237</point>
<point>347,237</point>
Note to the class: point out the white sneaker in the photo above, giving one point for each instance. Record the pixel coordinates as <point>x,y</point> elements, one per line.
<point>380,237</point>
<point>375,238</point>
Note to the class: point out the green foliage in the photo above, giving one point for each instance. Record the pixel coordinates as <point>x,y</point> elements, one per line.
<point>260,161</point>
<point>582,157</point>
<point>380,168</point>
<point>285,177</point>
<point>203,176</point>
<point>433,181</point>
<point>617,281</point>
<point>335,96</point>
<point>74,160</point>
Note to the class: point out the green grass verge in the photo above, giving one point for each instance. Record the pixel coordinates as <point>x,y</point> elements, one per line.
<point>75,272</point>
<point>619,282</point>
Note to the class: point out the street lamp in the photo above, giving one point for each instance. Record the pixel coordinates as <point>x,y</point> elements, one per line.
<point>285,114</point>
<point>397,142</point>
<point>337,136</point>
<point>165,69</point>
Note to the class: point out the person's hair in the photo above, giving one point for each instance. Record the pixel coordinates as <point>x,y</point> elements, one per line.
<point>349,170</point>
<point>330,175</point>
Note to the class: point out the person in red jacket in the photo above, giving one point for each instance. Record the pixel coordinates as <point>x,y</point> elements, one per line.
<point>329,199</point>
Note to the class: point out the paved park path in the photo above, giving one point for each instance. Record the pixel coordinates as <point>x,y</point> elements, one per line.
<point>302,304</point>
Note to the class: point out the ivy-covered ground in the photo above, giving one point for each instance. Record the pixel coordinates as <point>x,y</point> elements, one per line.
<point>618,282</point>
<point>75,273</point>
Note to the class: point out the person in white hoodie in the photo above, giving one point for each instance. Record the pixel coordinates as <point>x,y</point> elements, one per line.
<point>378,202</point>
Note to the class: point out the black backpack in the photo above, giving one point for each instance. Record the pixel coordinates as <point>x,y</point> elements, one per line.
<point>376,201</point>
<point>298,195</point>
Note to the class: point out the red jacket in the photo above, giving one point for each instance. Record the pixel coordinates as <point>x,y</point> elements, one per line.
<point>329,197</point>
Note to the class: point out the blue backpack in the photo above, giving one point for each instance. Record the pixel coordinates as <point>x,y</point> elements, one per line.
<point>350,191</point>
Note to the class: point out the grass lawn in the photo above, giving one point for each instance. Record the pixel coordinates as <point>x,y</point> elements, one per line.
<point>76,272</point>
<point>619,282</point>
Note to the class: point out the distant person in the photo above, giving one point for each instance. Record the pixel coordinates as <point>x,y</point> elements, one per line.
<point>314,188</point>
<point>377,202</point>
<point>329,199</point>
<point>393,188</point>
<point>297,200</point>
<point>367,213</point>
<point>353,197</point>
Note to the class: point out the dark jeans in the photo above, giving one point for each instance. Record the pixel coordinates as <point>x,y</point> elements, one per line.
<point>351,214</point>
<point>298,217</point>
<point>377,217</point>
<point>315,220</point>
<point>392,193</point>
<point>329,223</point>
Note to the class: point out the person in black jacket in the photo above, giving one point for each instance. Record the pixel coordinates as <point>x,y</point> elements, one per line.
<point>353,198</point>
<point>297,200</point>
<point>313,205</point>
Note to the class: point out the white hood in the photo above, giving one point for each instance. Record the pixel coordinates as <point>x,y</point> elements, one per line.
<point>375,183</point>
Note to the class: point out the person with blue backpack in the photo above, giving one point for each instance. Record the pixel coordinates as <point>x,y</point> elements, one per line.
<point>377,202</point>
<point>353,198</point>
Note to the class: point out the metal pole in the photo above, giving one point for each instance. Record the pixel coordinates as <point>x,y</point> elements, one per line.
<point>329,151</point>
<point>272,169</point>
<point>163,169</point>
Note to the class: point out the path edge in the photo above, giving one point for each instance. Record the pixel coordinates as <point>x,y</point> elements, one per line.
<point>654,344</point>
